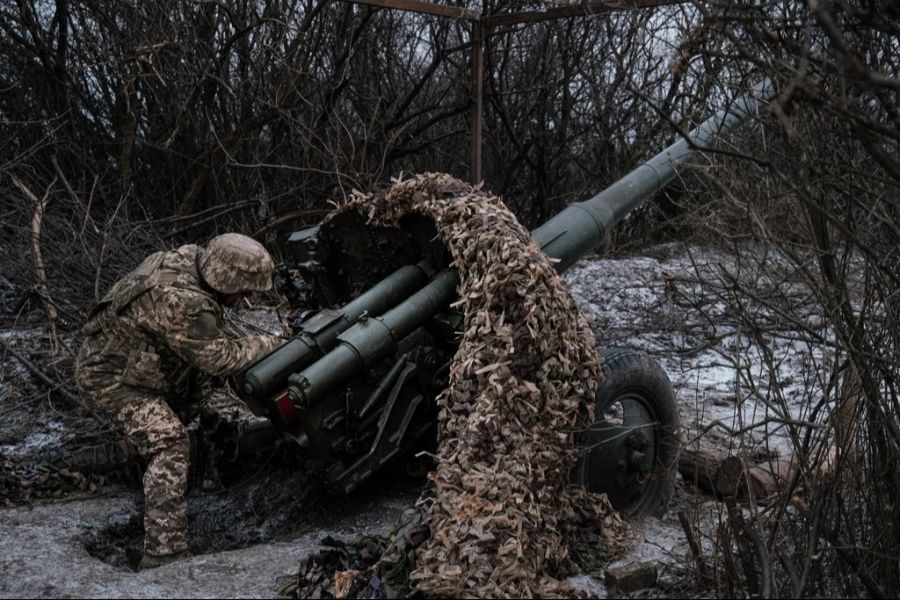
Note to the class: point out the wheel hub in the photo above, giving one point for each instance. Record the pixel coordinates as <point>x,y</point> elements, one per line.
<point>636,446</point>
<point>621,453</point>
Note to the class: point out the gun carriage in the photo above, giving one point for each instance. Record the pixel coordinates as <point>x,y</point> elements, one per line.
<point>360,375</point>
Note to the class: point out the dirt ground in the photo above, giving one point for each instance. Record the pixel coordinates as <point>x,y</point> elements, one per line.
<point>248,535</point>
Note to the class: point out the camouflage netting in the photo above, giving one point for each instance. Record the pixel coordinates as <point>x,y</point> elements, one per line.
<point>502,510</point>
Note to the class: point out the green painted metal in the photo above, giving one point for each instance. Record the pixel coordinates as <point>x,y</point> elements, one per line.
<point>581,227</point>
<point>371,340</point>
<point>319,334</point>
<point>359,376</point>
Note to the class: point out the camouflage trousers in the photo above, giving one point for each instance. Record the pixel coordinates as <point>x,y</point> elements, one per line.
<point>162,440</point>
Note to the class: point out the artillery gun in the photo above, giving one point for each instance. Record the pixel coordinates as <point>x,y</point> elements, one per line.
<point>360,375</point>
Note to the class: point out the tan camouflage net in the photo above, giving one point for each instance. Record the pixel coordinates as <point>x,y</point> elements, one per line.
<point>502,509</point>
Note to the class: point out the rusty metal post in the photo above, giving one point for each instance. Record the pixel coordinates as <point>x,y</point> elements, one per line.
<point>477,70</point>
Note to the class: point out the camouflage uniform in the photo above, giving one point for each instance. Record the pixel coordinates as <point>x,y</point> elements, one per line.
<point>147,345</point>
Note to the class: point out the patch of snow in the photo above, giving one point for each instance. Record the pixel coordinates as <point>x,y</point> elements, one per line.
<point>35,443</point>
<point>49,560</point>
<point>666,307</point>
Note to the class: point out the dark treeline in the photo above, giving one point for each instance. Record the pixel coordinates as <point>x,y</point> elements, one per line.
<point>810,204</point>
<point>177,119</point>
<point>265,107</point>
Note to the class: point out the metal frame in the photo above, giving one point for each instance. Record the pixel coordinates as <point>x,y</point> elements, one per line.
<point>481,30</point>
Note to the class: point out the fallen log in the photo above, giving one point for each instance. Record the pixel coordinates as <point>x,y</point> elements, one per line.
<point>728,476</point>
<point>54,385</point>
<point>699,467</point>
<point>736,478</point>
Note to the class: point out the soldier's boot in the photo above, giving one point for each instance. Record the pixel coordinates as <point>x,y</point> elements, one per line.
<point>151,561</point>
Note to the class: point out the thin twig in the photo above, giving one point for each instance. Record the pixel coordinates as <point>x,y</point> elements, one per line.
<point>39,271</point>
<point>87,209</point>
<point>290,216</point>
<point>702,573</point>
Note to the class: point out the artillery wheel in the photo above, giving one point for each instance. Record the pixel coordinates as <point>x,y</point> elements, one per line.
<point>632,448</point>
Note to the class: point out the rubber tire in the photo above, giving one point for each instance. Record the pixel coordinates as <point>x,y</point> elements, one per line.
<point>627,372</point>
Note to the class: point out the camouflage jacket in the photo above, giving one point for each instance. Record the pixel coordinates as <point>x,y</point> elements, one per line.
<point>159,327</point>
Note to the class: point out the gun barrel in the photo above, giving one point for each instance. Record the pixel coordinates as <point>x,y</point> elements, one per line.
<point>320,333</point>
<point>581,227</point>
<point>370,340</point>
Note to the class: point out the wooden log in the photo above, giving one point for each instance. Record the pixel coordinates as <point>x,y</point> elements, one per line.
<point>631,578</point>
<point>735,477</point>
<point>699,467</point>
<point>738,479</point>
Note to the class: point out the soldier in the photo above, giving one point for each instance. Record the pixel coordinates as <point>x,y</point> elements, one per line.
<point>148,344</point>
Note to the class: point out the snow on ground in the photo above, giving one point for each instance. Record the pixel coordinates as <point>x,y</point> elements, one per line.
<point>35,442</point>
<point>44,555</point>
<point>748,381</point>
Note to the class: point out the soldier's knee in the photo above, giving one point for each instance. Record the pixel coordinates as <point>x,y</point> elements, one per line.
<point>154,427</point>
<point>173,441</point>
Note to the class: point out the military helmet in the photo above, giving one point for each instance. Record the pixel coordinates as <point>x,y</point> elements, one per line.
<point>233,263</point>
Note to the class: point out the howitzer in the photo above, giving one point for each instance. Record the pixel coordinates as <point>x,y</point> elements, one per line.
<point>360,375</point>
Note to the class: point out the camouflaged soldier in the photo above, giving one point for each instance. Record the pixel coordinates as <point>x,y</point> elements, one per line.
<point>147,347</point>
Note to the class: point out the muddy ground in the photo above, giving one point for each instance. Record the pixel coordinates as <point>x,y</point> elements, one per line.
<point>252,523</point>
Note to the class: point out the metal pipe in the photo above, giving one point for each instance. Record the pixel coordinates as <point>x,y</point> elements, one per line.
<point>582,226</point>
<point>319,334</point>
<point>370,340</point>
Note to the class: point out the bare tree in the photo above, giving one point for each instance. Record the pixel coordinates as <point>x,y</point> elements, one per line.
<point>817,183</point>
